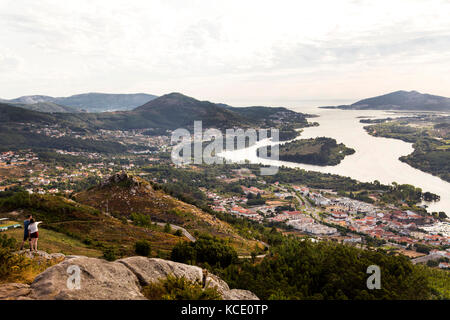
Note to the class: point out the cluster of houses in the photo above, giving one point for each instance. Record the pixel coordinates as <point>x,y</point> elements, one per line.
<point>54,131</point>
<point>127,137</point>
<point>442,257</point>
<point>442,254</point>
<point>235,205</point>
<point>42,179</point>
<point>391,224</point>
<point>298,220</point>
<point>353,206</point>
<point>136,136</point>
<point>88,155</point>
<point>252,190</point>
<point>11,158</point>
<point>308,225</point>
<point>441,227</point>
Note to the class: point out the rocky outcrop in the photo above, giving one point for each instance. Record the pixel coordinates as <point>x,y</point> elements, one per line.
<point>150,269</point>
<point>119,280</point>
<point>41,255</point>
<point>99,280</point>
<point>14,291</point>
<point>123,177</point>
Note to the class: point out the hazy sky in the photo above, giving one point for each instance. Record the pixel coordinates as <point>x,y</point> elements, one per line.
<point>238,52</point>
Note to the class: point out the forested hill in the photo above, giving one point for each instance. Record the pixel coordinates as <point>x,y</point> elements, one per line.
<point>401,100</point>
<point>10,113</point>
<point>170,111</point>
<point>176,108</point>
<point>181,111</point>
<point>47,107</point>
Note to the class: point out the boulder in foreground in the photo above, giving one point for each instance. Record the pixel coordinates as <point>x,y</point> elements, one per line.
<point>123,279</point>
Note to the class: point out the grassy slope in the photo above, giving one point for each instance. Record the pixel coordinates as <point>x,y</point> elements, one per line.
<point>84,224</point>
<point>122,200</point>
<point>53,242</point>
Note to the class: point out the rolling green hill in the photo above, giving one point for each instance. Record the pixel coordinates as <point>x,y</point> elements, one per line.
<point>47,107</point>
<point>320,151</point>
<point>170,111</point>
<point>125,196</point>
<point>175,110</point>
<point>118,213</point>
<point>83,223</point>
<point>10,113</point>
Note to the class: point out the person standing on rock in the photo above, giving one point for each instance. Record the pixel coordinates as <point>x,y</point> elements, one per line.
<point>34,234</point>
<point>26,234</point>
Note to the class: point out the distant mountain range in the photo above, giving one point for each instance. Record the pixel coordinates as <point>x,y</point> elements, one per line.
<point>400,100</point>
<point>86,102</point>
<point>169,111</point>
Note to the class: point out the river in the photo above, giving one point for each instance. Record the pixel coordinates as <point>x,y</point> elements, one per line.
<point>375,158</point>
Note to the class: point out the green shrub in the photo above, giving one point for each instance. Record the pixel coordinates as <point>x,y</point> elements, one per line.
<point>173,288</point>
<point>110,254</point>
<point>422,248</point>
<point>142,248</point>
<point>8,262</point>
<point>141,220</point>
<point>18,268</point>
<point>205,250</point>
<point>432,263</point>
<point>167,228</point>
<point>124,220</point>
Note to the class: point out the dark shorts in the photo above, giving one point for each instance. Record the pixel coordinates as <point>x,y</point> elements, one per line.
<point>34,235</point>
<point>26,237</point>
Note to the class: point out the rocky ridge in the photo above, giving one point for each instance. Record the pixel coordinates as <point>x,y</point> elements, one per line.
<point>103,280</point>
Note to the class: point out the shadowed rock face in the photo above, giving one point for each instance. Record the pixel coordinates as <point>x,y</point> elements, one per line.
<point>119,280</point>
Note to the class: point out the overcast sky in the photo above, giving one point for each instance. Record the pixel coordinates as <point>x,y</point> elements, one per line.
<point>237,52</point>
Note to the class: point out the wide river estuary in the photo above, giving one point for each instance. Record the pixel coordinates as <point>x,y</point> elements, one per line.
<point>375,158</point>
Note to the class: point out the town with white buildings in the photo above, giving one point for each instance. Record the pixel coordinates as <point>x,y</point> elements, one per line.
<point>322,214</point>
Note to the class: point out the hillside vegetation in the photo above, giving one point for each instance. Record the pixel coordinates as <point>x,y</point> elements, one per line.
<point>317,151</point>
<point>431,143</point>
<point>124,196</point>
<point>170,111</point>
<point>86,224</point>
<point>19,268</point>
<point>47,107</point>
<point>298,269</point>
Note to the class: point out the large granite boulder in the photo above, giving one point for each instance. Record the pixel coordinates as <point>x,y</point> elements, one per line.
<point>120,280</point>
<point>152,269</point>
<point>99,280</point>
